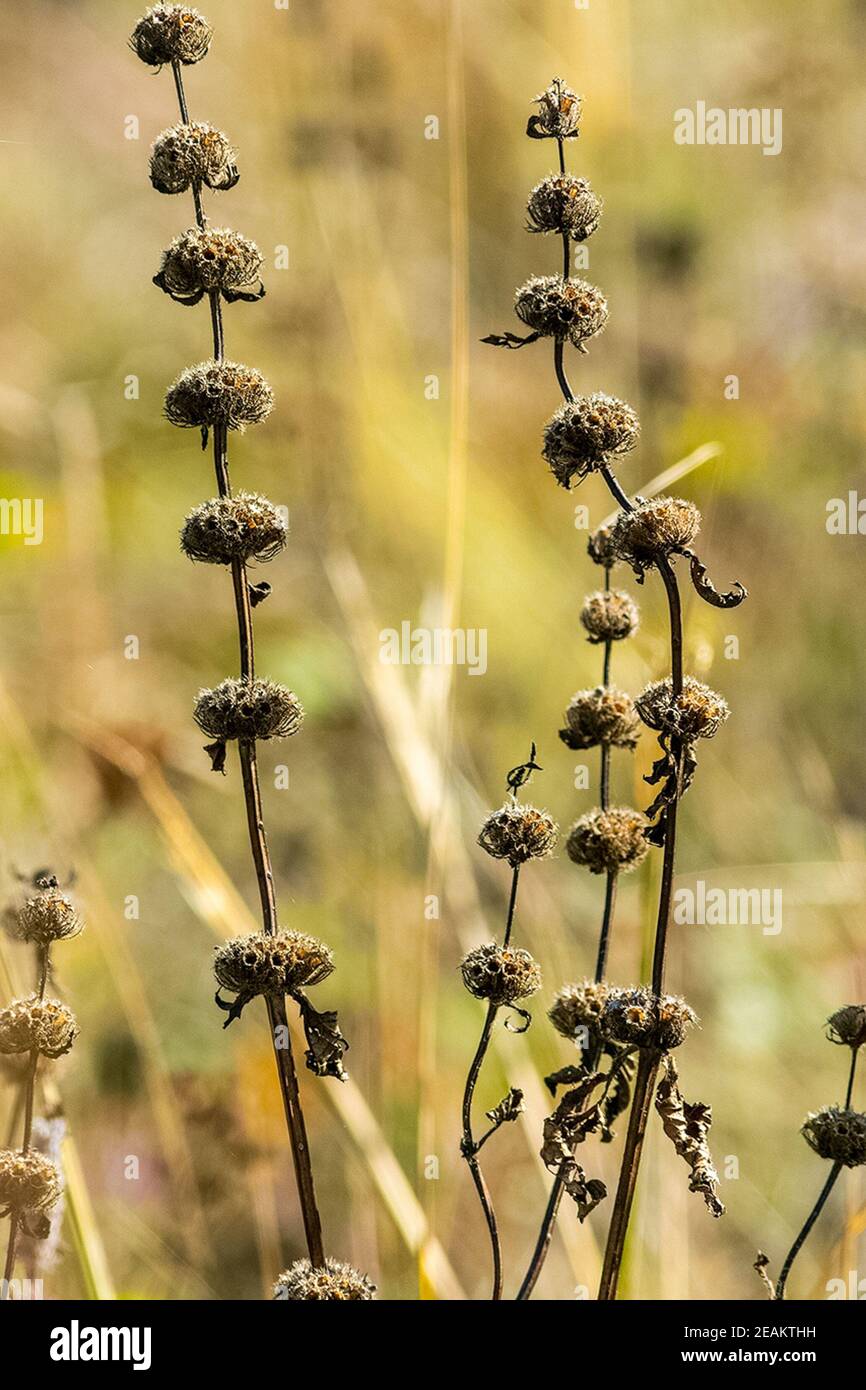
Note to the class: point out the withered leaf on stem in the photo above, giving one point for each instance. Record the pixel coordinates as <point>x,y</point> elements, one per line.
<point>687,1125</point>
<point>325,1043</point>
<point>508,1108</point>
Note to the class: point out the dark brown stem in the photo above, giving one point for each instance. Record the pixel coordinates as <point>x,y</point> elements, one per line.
<point>850,1091</point>
<point>469,1149</point>
<point>280,1032</point>
<point>29,1095</point>
<point>807,1226</point>
<point>640,1107</point>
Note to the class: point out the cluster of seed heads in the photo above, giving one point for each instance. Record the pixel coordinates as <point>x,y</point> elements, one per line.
<point>603,715</point>
<point>609,615</point>
<point>243,527</point>
<point>189,155</point>
<point>611,841</point>
<point>500,974</point>
<point>653,530</point>
<point>37,1025</point>
<point>569,310</point>
<point>585,434</point>
<point>210,258</point>
<point>518,833</point>
<point>564,204</point>
<point>697,712</point>
<point>272,965</point>
<point>218,393</point>
<point>579,1008</point>
<point>639,1018</point>
<point>171,34</point>
<point>331,1282</point>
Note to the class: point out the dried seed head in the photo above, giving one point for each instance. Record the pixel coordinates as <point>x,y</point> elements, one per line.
<point>698,712</point>
<point>42,1025</point>
<point>218,393</point>
<point>248,710</point>
<point>836,1134</point>
<point>586,433</point>
<point>189,155</point>
<point>29,1182</point>
<point>500,974</point>
<point>654,529</point>
<point>243,527</point>
<point>848,1026</point>
<point>609,615</point>
<point>48,916</point>
<point>609,841</point>
<point>599,547</point>
<point>215,258</point>
<point>643,1019</point>
<point>278,964</point>
<point>561,309</point>
<point>579,1007</point>
<point>518,833</point>
<point>171,33</point>
<point>335,1282</point>
<point>564,204</point>
<point>603,715</point>
<point>558,113</point>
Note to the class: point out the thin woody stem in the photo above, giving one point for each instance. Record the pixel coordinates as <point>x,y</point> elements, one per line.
<point>279,1029</point>
<point>29,1094</point>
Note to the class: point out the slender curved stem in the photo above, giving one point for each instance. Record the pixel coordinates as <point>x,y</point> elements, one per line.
<point>279,1029</point>
<point>469,1150</point>
<point>807,1226</point>
<point>850,1091</point>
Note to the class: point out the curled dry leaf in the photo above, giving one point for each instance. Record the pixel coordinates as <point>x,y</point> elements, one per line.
<point>760,1266</point>
<point>325,1042</point>
<point>687,1125</point>
<point>567,1127</point>
<point>508,1109</point>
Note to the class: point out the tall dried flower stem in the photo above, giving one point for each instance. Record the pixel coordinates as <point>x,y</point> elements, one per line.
<point>29,1096</point>
<point>279,1028</point>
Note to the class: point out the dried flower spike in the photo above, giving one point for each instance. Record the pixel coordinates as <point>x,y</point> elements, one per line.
<point>500,974</point>
<point>207,259</point>
<point>48,916</point>
<point>518,833</point>
<point>331,1282</point>
<point>611,841</point>
<point>29,1182</point>
<point>653,530</point>
<point>838,1135</point>
<point>603,715</point>
<point>609,615</point>
<point>643,1019</point>
<point>171,34</point>
<point>565,205</point>
<point>698,712</point>
<point>558,116</point>
<point>848,1026</point>
<point>218,393</point>
<point>586,433</point>
<point>571,310</point>
<point>189,155</point>
<point>244,709</point>
<point>579,1007</point>
<point>243,527</point>
<point>37,1025</point>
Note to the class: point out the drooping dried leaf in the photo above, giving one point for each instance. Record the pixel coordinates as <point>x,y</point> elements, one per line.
<point>508,1109</point>
<point>617,1095</point>
<point>687,1125</point>
<point>325,1043</point>
<point>567,1127</point>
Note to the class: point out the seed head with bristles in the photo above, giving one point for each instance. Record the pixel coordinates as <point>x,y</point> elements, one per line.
<point>333,1282</point>
<point>587,433</point>
<point>190,154</point>
<point>47,916</point>
<point>206,259</point>
<point>500,974</point>
<point>599,547</point>
<point>242,709</point>
<point>838,1135</point>
<point>564,204</point>
<point>270,965</point>
<point>37,1025</point>
<point>29,1182</point>
<point>568,310</point>
<point>243,527</point>
<point>579,1007</point>
<point>603,715</point>
<point>218,393</point>
<point>558,116</point>
<point>518,833</point>
<point>698,712</point>
<point>848,1026</point>
<point>611,841</point>
<point>609,615</point>
<point>643,1019</point>
<point>171,34</point>
<point>653,530</point>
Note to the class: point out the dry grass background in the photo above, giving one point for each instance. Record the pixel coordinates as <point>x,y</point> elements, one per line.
<point>403,252</point>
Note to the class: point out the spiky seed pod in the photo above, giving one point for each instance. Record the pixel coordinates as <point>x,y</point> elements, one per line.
<point>609,615</point>
<point>603,715</point>
<point>171,34</point>
<point>500,974</point>
<point>278,964</point>
<point>848,1026</point>
<point>518,833</point>
<point>579,1007</point>
<point>48,916</point>
<point>29,1182</point>
<point>218,393</point>
<point>244,527</point>
<point>837,1134</point>
<point>42,1025</point>
<point>698,712</point>
<point>188,155</point>
<point>564,204</point>
<point>654,529</point>
<point>643,1019</point>
<point>609,841</point>
<point>599,547</point>
<point>213,258</point>
<point>248,710</point>
<point>571,310</point>
<point>586,433</point>
<point>558,115</point>
<point>335,1282</point>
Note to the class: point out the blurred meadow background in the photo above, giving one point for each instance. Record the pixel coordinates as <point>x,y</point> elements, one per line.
<point>403,252</point>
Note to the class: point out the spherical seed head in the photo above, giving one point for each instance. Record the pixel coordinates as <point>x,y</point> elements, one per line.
<point>848,1026</point>
<point>558,113</point>
<point>599,547</point>
<point>33,1024</point>
<point>333,1282</point>
<point>243,527</point>
<point>248,710</point>
<point>698,712</point>
<point>587,433</point>
<point>563,309</point>
<point>609,615</point>
<point>277,964</point>
<point>838,1135</point>
<point>500,974</point>
<point>603,715</point>
<point>218,393</point>
<point>171,33</point>
<point>518,833</point>
<point>29,1182</point>
<point>654,529</point>
<point>611,841</point>
<point>196,153</point>
<point>214,258</point>
<point>579,1007</point>
<point>48,916</point>
<point>643,1019</point>
<point>564,204</point>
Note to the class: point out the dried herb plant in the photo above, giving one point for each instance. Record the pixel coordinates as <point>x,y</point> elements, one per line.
<point>502,975</point>
<point>837,1134</point>
<point>236,530</point>
<point>588,435</point>
<point>34,1031</point>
